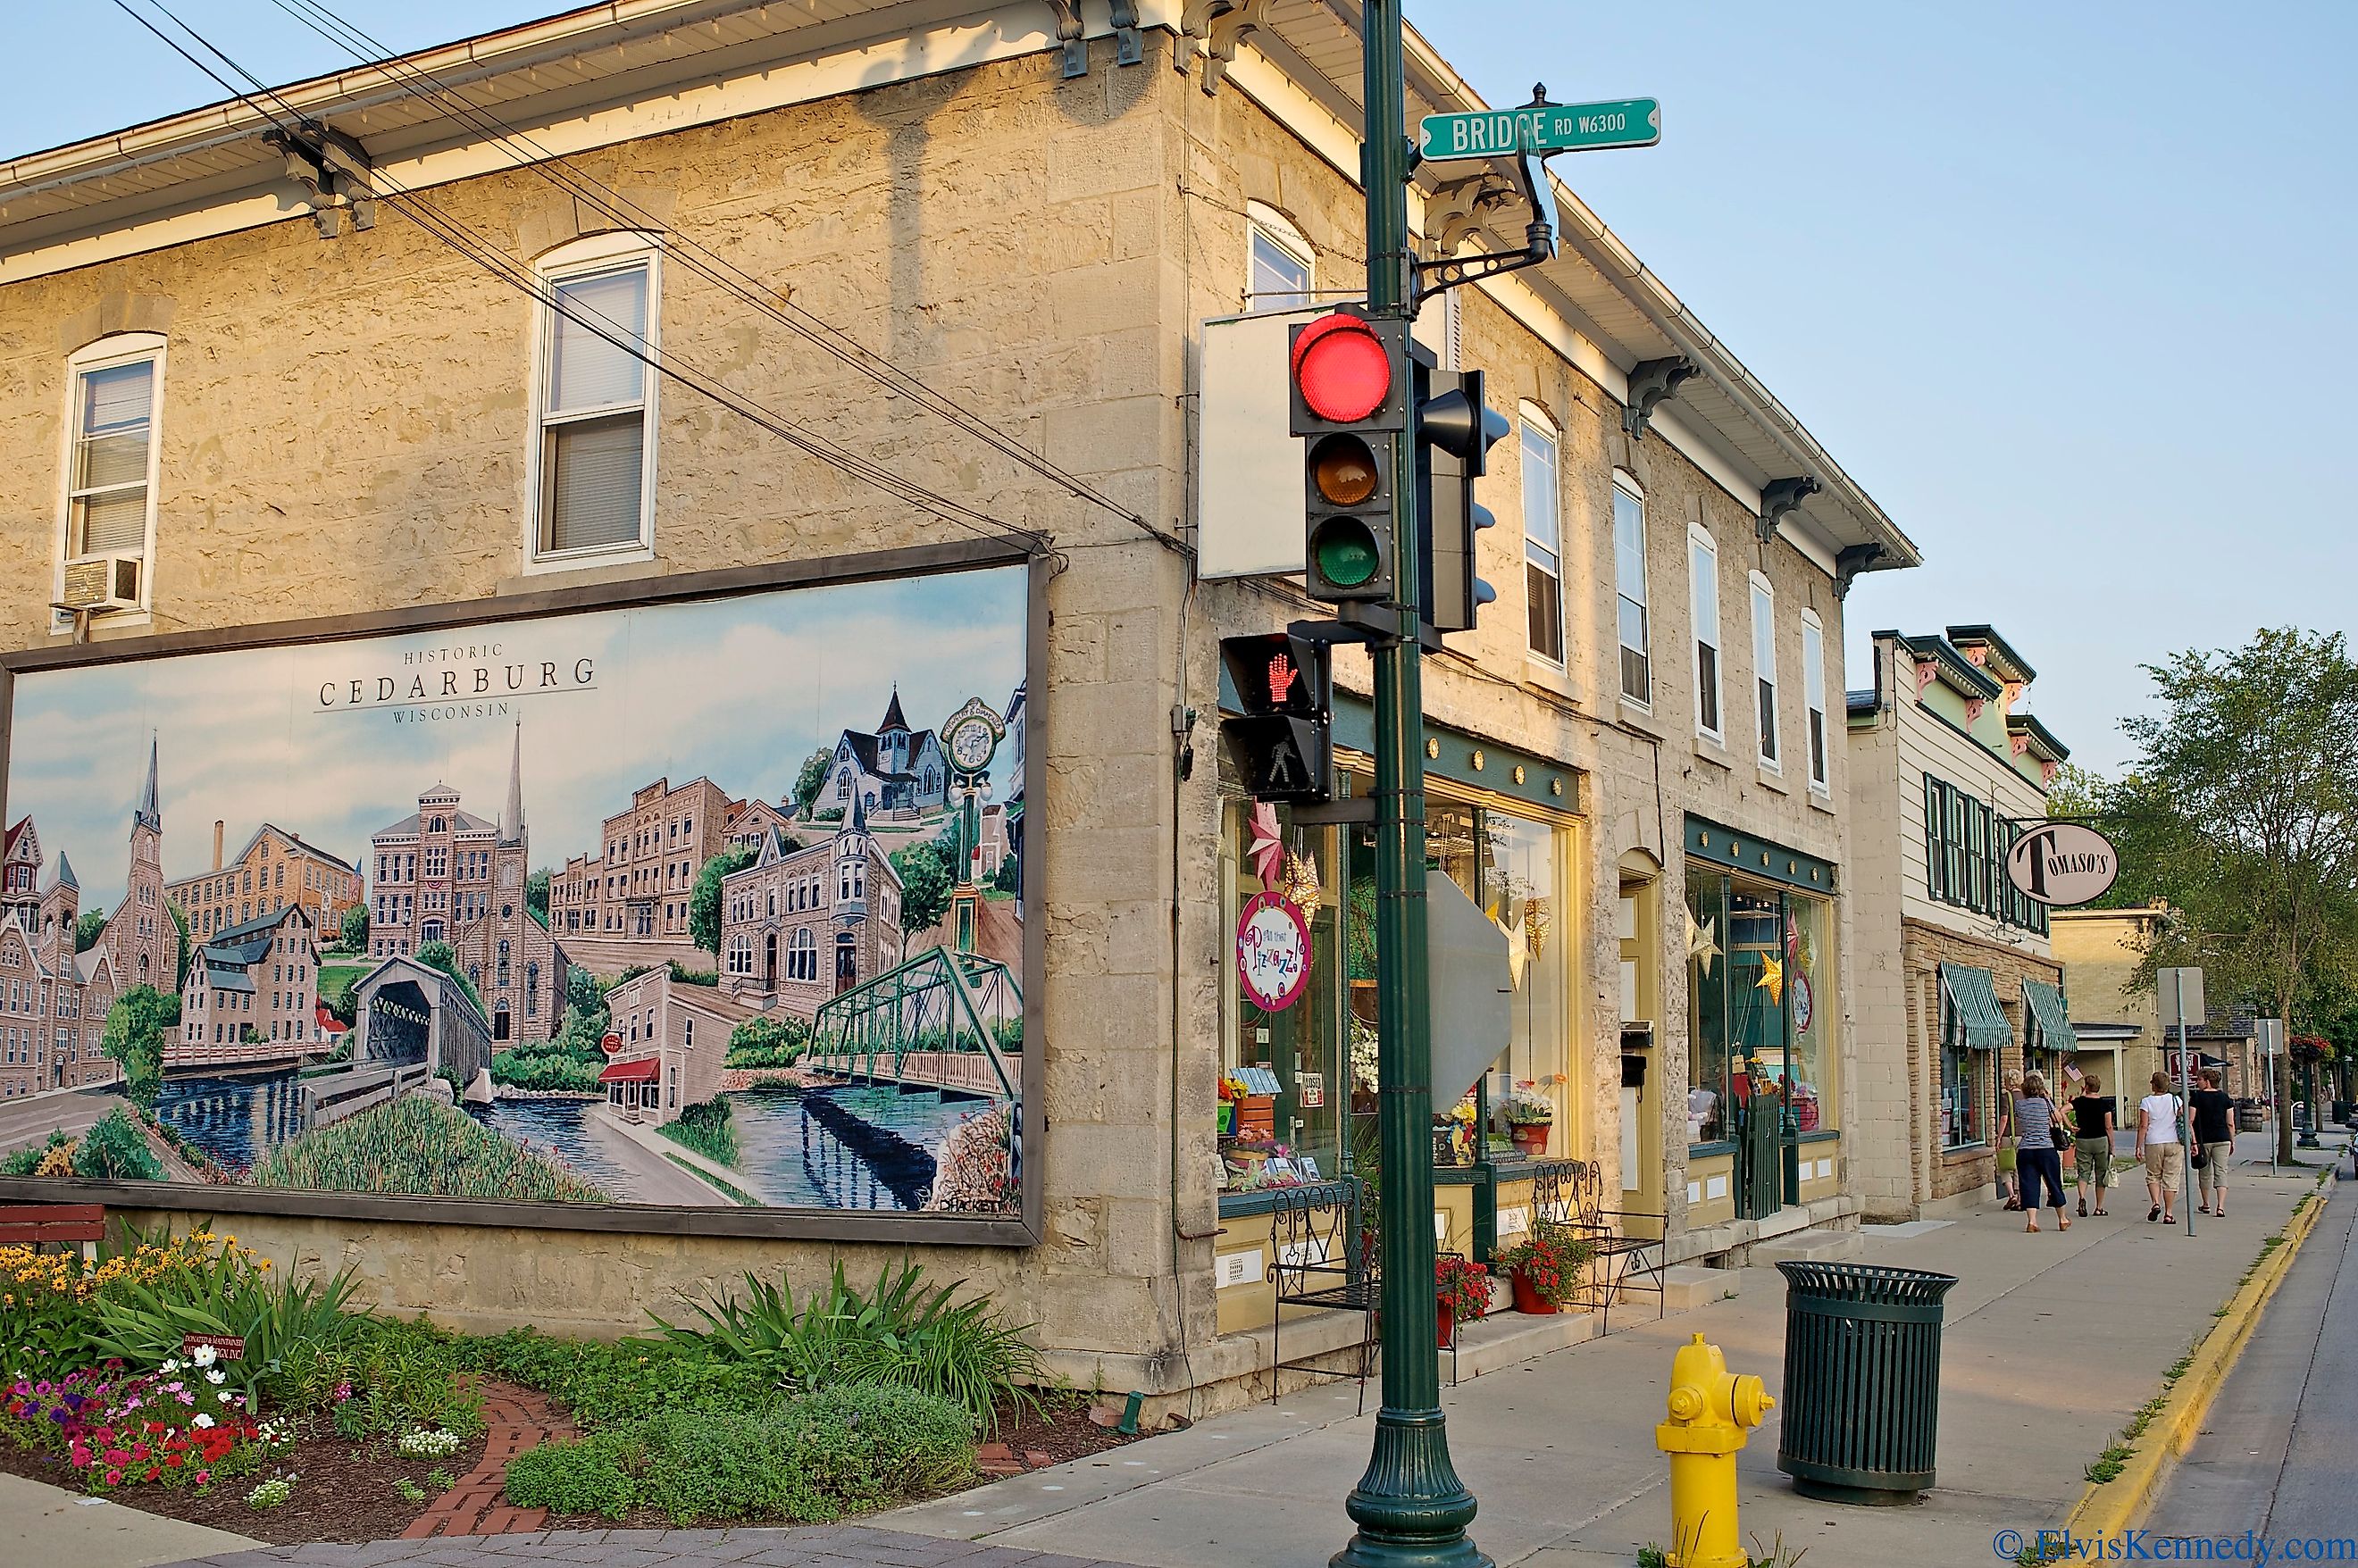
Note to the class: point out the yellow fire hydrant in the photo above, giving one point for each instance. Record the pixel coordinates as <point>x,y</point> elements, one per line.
<point>1712,1409</point>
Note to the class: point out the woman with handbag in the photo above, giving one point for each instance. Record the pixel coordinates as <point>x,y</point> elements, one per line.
<point>2215,1141</point>
<point>2040,1135</point>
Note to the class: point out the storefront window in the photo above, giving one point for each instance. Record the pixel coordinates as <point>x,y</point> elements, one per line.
<point>1963,1072</point>
<point>1808,968</point>
<point>1289,1126</point>
<point>1760,969</point>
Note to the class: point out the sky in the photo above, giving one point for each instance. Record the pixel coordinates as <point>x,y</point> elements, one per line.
<point>736,690</point>
<point>2062,287</point>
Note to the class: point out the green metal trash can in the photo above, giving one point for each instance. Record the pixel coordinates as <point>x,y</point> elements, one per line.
<point>1859,1413</point>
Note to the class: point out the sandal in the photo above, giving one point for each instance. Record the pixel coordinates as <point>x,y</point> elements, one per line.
<point>2064,1223</point>
<point>2084,1208</point>
<point>2102,1212</point>
<point>2169,1219</point>
<point>2031,1230</point>
<point>2153,1214</point>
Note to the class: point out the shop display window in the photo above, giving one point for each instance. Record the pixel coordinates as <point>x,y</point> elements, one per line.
<point>1760,969</point>
<point>1284,1072</point>
<point>1964,1083</point>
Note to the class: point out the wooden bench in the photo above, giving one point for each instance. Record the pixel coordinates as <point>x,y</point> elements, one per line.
<point>66,1224</point>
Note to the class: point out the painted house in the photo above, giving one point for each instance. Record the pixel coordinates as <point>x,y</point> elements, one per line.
<point>275,868</point>
<point>893,769</point>
<point>251,993</point>
<point>674,1040</point>
<point>799,925</point>
<point>53,999</point>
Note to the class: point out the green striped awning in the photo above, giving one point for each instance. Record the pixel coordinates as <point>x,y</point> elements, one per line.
<point>1979,1022</point>
<point>2049,1017</point>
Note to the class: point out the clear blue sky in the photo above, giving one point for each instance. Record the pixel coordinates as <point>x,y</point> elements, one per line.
<point>2064,287</point>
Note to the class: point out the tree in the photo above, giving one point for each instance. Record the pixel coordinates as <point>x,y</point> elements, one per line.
<point>356,928</point>
<point>2242,810</point>
<point>535,896</point>
<point>926,883</point>
<point>808,782</point>
<point>113,1149</point>
<point>767,1040</point>
<point>703,898</point>
<point>89,929</point>
<point>440,956</point>
<point>181,935</point>
<point>136,1026</point>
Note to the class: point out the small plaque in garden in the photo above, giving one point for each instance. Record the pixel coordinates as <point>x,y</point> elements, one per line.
<point>228,1346</point>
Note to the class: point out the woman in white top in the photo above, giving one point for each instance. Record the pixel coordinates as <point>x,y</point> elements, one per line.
<point>2164,1155</point>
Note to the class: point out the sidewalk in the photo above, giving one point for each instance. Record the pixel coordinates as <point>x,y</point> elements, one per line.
<point>1559,1449</point>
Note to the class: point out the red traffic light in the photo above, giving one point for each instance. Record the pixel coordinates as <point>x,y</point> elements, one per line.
<point>1342,369</point>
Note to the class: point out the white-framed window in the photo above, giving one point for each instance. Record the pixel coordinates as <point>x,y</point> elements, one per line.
<point>1281,267</point>
<point>1629,581</point>
<point>1702,604</point>
<point>1764,670</point>
<point>1543,536</point>
<point>592,461</point>
<point>1813,699</point>
<point>114,393</point>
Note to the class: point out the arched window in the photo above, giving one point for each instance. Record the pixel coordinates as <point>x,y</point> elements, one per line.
<point>502,980</point>
<point>1280,264</point>
<point>532,989</point>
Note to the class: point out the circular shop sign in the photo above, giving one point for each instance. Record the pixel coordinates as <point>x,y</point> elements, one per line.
<point>1272,953</point>
<point>1805,1004</point>
<point>611,1044</point>
<point>2062,863</point>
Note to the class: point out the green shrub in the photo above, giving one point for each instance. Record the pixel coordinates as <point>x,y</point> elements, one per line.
<point>827,1453</point>
<point>707,1129</point>
<point>904,1333</point>
<point>115,1150</point>
<point>605,1385</point>
<point>26,1160</point>
<point>767,1040</point>
<point>229,1292</point>
<point>545,1070</point>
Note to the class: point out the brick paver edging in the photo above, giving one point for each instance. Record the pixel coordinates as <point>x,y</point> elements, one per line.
<point>819,1546</point>
<point>516,1420</point>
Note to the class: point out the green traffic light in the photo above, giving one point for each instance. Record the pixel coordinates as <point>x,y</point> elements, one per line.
<point>1345,552</point>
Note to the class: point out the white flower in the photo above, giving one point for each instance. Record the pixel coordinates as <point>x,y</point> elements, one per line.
<point>200,1418</point>
<point>171,1364</point>
<point>206,1355</point>
<point>224,1396</point>
<point>217,1377</point>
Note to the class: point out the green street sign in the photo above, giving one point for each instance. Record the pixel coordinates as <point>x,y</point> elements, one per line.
<point>1544,129</point>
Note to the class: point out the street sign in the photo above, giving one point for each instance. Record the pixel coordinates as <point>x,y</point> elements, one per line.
<point>2180,995</point>
<point>2062,863</point>
<point>1544,129</point>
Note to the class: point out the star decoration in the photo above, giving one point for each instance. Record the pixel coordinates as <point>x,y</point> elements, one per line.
<point>1535,921</point>
<point>1703,946</point>
<point>1772,979</point>
<point>1519,946</point>
<point>1299,884</point>
<point>1267,848</point>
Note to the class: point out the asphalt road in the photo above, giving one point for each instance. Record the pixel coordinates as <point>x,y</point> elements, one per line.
<point>31,1120</point>
<point>2278,1454</point>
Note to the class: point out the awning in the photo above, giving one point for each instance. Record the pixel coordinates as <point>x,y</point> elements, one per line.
<point>642,1070</point>
<point>2049,1016</point>
<point>1981,1024</point>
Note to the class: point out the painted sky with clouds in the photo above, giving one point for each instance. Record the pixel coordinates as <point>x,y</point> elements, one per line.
<point>738,690</point>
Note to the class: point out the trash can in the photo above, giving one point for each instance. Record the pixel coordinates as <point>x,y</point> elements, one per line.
<point>1861,1403</point>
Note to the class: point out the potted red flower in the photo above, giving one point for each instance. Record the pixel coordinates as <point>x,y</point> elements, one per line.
<point>1462,1294</point>
<point>1544,1267</point>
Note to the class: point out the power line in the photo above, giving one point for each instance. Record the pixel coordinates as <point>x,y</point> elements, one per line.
<point>455,235</point>
<point>702,260</point>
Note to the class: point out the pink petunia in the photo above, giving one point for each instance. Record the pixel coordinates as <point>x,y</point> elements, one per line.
<point>114,1477</point>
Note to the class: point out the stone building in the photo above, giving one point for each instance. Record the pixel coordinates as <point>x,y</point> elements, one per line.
<point>752,821</point>
<point>140,938</point>
<point>53,999</point>
<point>1954,979</point>
<point>799,925</point>
<point>674,1040</point>
<point>20,873</point>
<point>634,890</point>
<point>1630,756</point>
<point>276,868</point>
<point>251,993</point>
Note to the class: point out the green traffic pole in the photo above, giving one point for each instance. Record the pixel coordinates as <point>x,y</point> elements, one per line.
<point>1410,1506</point>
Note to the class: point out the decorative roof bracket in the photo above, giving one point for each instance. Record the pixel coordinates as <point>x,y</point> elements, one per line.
<point>1218,26</point>
<point>333,169</point>
<point>1652,381</point>
<point>1851,561</point>
<point>1129,47</point>
<point>1780,496</point>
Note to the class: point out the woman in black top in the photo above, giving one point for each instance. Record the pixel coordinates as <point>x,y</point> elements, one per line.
<point>2215,1140</point>
<point>2092,1118</point>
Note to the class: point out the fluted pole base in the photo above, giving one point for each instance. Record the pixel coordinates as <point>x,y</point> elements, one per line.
<point>1410,1507</point>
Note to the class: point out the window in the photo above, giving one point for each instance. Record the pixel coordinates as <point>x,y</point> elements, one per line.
<point>1764,668</point>
<point>1280,267</point>
<point>1703,589</point>
<point>1542,540</point>
<point>1629,575</point>
<point>1813,699</point>
<point>594,458</point>
<point>110,458</point>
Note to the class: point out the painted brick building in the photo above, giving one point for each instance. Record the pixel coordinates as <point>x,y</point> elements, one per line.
<point>251,993</point>
<point>799,925</point>
<point>275,868</point>
<point>635,888</point>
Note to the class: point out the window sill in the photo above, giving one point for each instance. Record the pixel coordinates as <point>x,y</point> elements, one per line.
<point>1771,780</point>
<point>1715,753</point>
<point>1539,672</point>
<point>1821,801</point>
<point>537,576</point>
<point>1639,717</point>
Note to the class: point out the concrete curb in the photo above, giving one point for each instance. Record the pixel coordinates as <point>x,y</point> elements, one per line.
<point>2107,1508</point>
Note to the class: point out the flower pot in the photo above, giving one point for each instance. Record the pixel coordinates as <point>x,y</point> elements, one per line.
<point>1528,1299</point>
<point>1531,1137</point>
<point>1446,1311</point>
<point>1227,1117</point>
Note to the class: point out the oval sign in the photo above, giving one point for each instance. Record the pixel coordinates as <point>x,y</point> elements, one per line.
<point>611,1044</point>
<point>2063,862</point>
<point>1273,952</point>
<point>1805,1003</point>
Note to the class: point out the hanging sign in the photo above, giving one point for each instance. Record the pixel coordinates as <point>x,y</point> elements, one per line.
<point>1273,952</point>
<point>2062,863</point>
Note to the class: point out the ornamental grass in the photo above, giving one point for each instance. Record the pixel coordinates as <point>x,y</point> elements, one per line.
<point>415,1147</point>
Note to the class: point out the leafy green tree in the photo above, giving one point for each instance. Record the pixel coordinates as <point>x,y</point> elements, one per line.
<point>356,928</point>
<point>440,956</point>
<point>181,935</point>
<point>535,896</point>
<point>767,1040</point>
<point>89,929</point>
<point>703,898</point>
<point>812,776</point>
<point>136,1027</point>
<point>925,881</point>
<point>113,1149</point>
<point>2242,810</point>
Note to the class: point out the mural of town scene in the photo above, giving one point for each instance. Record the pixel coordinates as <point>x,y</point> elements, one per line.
<point>717,902</point>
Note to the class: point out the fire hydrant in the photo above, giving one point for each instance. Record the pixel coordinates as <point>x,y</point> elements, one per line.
<point>1712,1409</point>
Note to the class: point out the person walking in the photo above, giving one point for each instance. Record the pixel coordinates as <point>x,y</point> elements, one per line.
<point>2158,1146</point>
<point>2009,1187</point>
<point>2039,1132</point>
<point>2215,1141</point>
<point>2092,1117</point>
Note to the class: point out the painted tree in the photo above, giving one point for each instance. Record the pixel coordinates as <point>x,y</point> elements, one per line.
<point>703,898</point>
<point>180,939</point>
<point>926,883</point>
<point>535,896</point>
<point>812,775</point>
<point>2242,810</point>
<point>89,929</point>
<point>440,955</point>
<point>356,928</point>
<point>136,1027</point>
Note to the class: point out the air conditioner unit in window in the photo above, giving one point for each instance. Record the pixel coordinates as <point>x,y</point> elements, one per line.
<point>103,583</point>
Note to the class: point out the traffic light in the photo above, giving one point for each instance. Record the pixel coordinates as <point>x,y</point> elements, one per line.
<point>1455,432</point>
<point>1350,402</point>
<point>1284,744</point>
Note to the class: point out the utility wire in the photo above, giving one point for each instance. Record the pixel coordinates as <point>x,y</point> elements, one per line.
<point>703,261</point>
<point>455,235</point>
